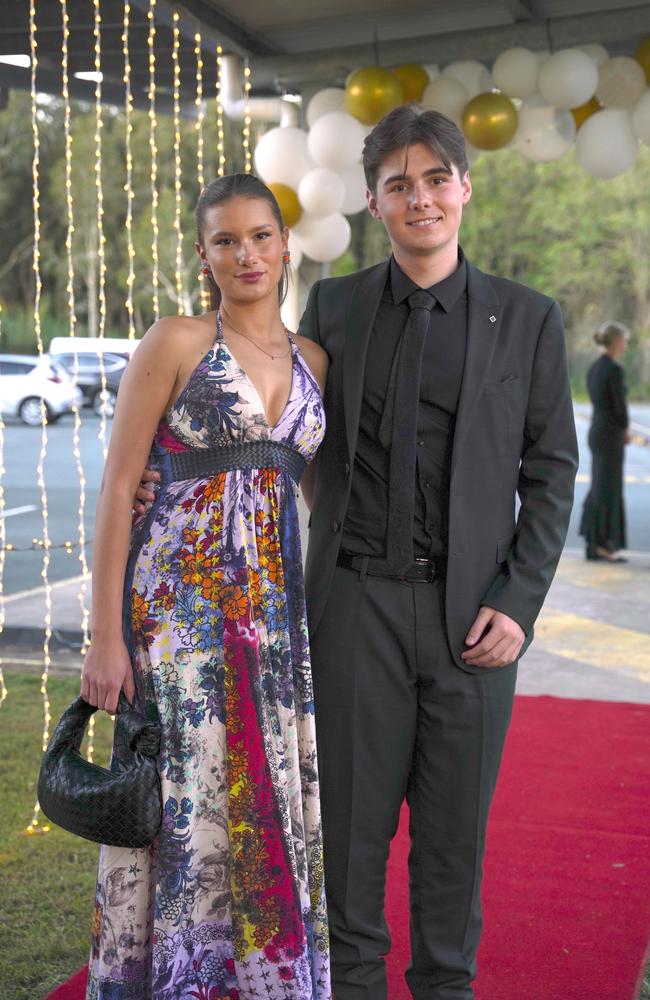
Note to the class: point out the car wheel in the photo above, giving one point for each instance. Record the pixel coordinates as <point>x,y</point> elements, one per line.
<point>30,412</point>
<point>104,403</point>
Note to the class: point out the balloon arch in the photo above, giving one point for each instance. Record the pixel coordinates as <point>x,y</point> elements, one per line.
<point>539,103</point>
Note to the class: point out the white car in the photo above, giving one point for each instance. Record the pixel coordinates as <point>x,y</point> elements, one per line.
<point>26,380</point>
<point>96,362</point>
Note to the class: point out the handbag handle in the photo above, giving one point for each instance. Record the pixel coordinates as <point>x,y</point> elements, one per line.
<point>131,729</point>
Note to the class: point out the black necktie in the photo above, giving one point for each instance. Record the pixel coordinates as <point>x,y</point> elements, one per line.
<point>398,429</point>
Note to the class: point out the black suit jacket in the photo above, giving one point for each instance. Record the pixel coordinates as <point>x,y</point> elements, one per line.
<point>514,433</point>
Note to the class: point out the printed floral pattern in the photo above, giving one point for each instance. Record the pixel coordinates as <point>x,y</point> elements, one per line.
<point>228,902</point>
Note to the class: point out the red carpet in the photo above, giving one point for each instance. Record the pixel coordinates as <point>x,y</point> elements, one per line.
<point>567,873</point>
<point>567,869</point>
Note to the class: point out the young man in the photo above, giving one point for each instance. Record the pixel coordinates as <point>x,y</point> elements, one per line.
<point>447,396</point>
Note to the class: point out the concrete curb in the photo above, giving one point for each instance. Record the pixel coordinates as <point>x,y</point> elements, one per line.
<point>31,636</point>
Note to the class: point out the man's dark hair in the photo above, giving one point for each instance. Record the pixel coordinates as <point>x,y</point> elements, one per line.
<point>406,126</point>
<point>225,189</point>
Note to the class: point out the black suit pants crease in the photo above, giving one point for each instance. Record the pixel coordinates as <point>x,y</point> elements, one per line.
<point>396,718</point>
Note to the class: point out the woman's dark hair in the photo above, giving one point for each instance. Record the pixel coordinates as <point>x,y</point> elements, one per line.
<point>606,334</point>
<point>406,126</point>
<point>224,189</point>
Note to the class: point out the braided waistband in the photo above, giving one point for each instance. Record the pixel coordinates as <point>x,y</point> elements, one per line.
<point>196,464</point>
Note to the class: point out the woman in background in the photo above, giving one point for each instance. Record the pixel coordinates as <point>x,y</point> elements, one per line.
<point>603,515</point>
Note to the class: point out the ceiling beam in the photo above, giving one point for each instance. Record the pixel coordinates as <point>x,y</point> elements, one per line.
<point>17,78</point>
<point>617,29</point>
<point>214,25</point>
<point>524,10</point>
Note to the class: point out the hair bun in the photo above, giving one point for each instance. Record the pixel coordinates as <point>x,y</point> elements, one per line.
<point>609,331</point>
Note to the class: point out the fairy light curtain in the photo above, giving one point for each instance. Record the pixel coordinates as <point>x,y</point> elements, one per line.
<point>216,167</point>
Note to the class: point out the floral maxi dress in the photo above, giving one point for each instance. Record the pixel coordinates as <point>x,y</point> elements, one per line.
<point>228,902</point>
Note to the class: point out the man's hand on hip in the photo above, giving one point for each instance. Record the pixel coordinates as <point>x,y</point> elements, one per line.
<point>495,640</point>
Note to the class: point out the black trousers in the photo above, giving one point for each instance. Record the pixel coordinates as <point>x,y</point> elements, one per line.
<point>397,718</point>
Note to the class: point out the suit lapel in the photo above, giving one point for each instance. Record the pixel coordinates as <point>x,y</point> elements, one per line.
<point>483,319</point>
<point>360,319</point>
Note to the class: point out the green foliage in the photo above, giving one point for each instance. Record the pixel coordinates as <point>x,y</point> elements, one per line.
<point>47,882</point>
<point>551,226</point>
<point>18,327</point>
<point>582,241</point>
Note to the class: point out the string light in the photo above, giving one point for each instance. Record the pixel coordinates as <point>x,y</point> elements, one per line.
<point>128,187</point>
<point>101,237</point>
<point>221,149</point>
<point>200,111</point>
<point>246,132</point>
<point>72,321</point>
<point>40,470</point>
<point>41,543</point>
<point>200,116</point>
<point>178,267</point>
<point>153,124</point>
<point>3,688</point>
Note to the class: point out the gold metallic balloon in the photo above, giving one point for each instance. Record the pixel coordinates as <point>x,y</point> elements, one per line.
<point>287,199</point>
<point>642,56</point>
<point>585,111</point>
<point>413,79</point>
<point>371,93</point>
<point>490,120</point>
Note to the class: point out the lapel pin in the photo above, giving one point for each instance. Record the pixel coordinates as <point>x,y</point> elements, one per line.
<point>493,319</point>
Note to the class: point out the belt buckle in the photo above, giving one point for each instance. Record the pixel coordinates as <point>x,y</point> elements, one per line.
<point>431,568</point>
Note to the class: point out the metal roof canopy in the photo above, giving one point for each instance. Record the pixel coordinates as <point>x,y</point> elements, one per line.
<point>300,46</point>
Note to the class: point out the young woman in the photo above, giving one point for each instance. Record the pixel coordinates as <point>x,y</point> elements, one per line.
<point>603,515</point>
<point>228,902</point>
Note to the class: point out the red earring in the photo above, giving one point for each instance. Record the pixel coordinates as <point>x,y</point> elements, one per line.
<point>205,271</point>
<point>286,256</point>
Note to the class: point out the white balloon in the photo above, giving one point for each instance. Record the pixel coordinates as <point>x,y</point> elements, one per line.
<point>336,140</point>
<point>621,82</point>
<point>432,70</point>
<point>515,72</point>
<point>595,51</point>
<point>321,192</point>
<point>323,239</point>
<point>641,119</point>
<point>330,99</point>
<point>606,144</point>
<point>295,250</point>
<point>473,75</point>
<point>447,95</point>
<point>544,133</point>
<point>568,79</point>
<point>282,156</point>
<point>354,181</point>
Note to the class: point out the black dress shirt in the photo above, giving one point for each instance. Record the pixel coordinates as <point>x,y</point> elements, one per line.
<point>364,529</point>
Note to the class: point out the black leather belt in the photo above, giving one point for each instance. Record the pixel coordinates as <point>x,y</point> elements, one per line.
<point>420,571</point>
<point>202,463</point>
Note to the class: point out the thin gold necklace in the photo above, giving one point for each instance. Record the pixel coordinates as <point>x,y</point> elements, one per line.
<point>273,357</point>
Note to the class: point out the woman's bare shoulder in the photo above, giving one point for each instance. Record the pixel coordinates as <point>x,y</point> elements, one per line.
<point>315,356</point>
<point>175,334</point>
<point>181,327</point>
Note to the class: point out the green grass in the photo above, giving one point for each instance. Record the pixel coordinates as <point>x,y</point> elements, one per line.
<point>47,881</point>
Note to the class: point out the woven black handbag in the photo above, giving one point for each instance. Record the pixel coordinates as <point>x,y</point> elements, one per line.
<point>121,806</point>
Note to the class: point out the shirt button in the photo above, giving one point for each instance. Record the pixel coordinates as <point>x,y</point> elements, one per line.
<point>428,484</point>
<point>421,443</point>
<point>347,468</point>
<point>335,526</point>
